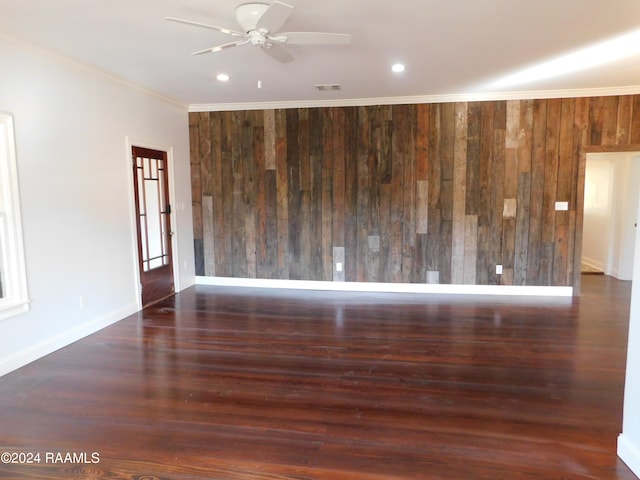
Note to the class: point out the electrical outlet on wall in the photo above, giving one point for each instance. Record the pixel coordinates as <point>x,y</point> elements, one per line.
<point>338,267</point>
<point>498,269</point>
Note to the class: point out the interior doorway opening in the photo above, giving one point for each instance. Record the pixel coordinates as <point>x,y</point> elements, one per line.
<point>611,198</point>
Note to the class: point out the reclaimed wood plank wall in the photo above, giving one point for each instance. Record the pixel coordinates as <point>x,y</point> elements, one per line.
<point>436,193</point>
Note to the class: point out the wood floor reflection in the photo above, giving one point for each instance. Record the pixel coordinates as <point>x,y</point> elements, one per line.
<point>227,383</point>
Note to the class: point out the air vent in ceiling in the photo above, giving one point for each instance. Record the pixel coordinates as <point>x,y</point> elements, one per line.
<point>328,87</point>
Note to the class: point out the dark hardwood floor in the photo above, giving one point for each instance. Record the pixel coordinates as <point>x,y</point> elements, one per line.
<point>224,383</point>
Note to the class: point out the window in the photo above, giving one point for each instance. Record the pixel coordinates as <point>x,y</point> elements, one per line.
<point>13,281</point>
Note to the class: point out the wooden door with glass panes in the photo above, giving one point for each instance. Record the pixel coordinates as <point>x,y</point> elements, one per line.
<point>153,215</point>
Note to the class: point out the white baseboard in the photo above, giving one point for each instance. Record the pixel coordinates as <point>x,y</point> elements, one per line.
<point>590,262</point>
<point>50,345</point>
<point>629,453</point>
<point>388,287</point>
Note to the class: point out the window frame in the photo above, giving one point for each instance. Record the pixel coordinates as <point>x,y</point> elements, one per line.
<point>15,298</point>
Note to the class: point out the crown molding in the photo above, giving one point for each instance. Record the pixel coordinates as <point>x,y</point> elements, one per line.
<point>43,52</point>
<point>443,98</point>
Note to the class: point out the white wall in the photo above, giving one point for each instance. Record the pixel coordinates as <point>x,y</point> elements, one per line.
<point>72,125</point>
<point>598,207</point>
<point>629,440</point>
<point>628,174</point>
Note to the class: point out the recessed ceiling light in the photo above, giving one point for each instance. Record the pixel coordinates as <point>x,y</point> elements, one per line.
<point>223,77</point>
<point>398,67</point>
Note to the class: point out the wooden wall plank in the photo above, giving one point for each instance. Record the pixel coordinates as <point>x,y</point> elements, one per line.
<point>196,174</point>
<point>507,251</point>
<point>609,120</point>
<point>373,220</point>
<point>294,198</point>
<point>447,162</point>
<point>270,260</point>
<point>362,196</point>
<point>399,119</point>
<point>327,194</point>
<point>263,122</point>
<point>521,246</point>
<point>459,193</point>
<point>224,197</point>
<point>238,237</point>
<point>560,255</point>
<point>422,142</point>
<point>205,148</point>
<point>304,146</point>
<point>634,135</point>
<point>435,189</point>
<point>624,119</point>
<point>550,190</point>
<point>473,158</point>
<point>420,261</point>
<point>537,188</point>
<point>338,264</point>
<point>249,200</point>
<point>565,158</point>
<point>196,192</point>
<point>386,151</point>
<point>269,139</point>
<point>470,249</point>
<point>305,228</point>
<point>282,200</point>
<point>408,193</point>
<point>351,193</point>
<point>422,205</point>
<point>338,175</point>
<point>497,191</point>
<point>596,120</point>
<point>445,240</point>
<point>511,149</point>
<point>208,238</point>
<point>525,136</point>
<point>260,214</point>
<point>384,263</point>
<point>483,205</point>
<point>315,158</point>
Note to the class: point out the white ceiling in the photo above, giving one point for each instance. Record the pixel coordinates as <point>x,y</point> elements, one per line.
<point>452,47</point>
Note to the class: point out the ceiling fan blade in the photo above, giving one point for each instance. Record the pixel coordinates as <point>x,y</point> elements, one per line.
<point>220,47</point>
<point>204,25</point>
<point>313,38</point>
<point>274,17</point>
<point>278,52</point>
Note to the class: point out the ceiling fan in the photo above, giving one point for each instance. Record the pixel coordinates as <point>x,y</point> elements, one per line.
<point>260,23</point>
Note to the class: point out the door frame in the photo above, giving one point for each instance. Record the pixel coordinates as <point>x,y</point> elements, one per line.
<point>582,166</point>
<point>133,221</point>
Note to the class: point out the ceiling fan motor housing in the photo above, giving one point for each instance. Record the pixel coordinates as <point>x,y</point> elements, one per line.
<point>257,38</point>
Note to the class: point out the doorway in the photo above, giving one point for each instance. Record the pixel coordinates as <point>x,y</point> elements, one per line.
<point>611,195</point>
<point>153,223</point>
